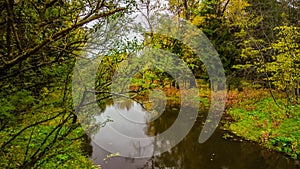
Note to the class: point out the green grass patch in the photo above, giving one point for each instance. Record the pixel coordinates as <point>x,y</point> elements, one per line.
<point>260,119</point>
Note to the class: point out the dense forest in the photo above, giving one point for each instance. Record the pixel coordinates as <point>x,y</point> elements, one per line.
<point>258,43</point>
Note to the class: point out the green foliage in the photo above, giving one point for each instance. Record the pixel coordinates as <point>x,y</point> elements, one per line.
<point>40,41</point>
<point>267,123</point>
<point>52,143</point>
<point>270,46</point>
<point>282,67</point>
<point>13,106</point>
<point>285,66</point>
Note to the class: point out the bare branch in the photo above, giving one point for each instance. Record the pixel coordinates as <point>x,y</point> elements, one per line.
<point>56,36</point>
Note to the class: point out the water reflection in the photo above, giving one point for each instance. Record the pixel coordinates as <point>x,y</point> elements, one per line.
<point>216,153</point>
<point>126,119</point>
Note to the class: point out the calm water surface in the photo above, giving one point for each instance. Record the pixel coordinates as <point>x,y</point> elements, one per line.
<point>216,153</point>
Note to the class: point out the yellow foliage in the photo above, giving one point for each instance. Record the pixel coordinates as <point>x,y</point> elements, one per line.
<point>235,12</point>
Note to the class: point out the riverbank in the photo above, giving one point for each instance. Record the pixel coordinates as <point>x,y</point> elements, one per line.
<point>252,114</point>
<point>216,152</point>
<point>255,116</point>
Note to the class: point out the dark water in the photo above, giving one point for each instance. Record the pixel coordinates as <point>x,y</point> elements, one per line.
<point>216,153</point>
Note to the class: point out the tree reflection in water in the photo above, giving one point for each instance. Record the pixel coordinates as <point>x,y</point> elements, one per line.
<point>216,153</point>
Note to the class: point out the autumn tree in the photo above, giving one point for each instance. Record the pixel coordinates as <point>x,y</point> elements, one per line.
<point>40,41</point>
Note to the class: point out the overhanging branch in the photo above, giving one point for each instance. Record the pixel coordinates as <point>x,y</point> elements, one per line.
<point>62,33</point>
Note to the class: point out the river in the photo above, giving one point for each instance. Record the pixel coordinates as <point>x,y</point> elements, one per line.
<point>215,153</point>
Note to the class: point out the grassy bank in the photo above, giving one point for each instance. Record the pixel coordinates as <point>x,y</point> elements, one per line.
<point>255,116</point>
